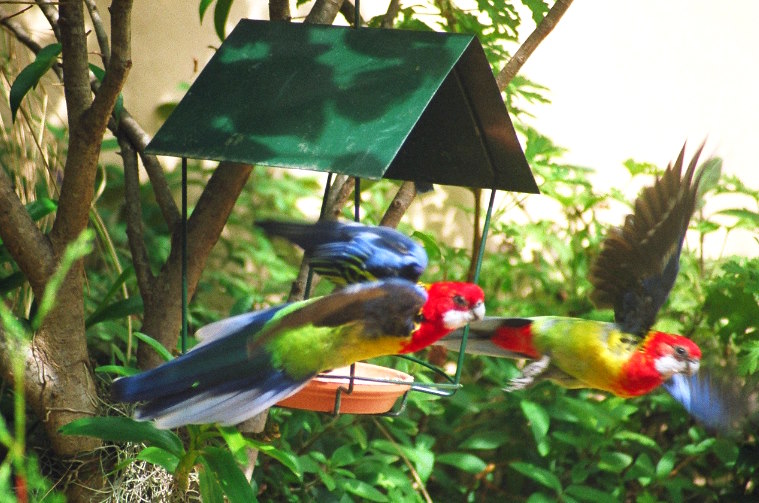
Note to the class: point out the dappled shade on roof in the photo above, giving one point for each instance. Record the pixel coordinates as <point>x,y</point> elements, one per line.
<point>372,103</point>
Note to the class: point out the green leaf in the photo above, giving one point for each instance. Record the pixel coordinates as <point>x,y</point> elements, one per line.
<point>287,458</point>
<point>210,490</point>
<point>430,245</point>
<point>699,448</point>
<point>638,438</point>
<point>587,493</point>
<point>160,457</point>
<point>665,464</point>
<point>235,441</point>
<point>327,480</point>
<point>746,218</point>
<point>539,8</point>
<point>220,15</point>
<point>614,461</point>
<point>98,72</point>
<point>485,440</point>
<point>115,287</point>
<point>203,7</point>
<point>124,429</point>
<point>642,470</point>
<point>541,498</point>
<point>157,346</point>
<point>41,207</point>
<point>538,474</point>
<point>463,461</point>
<point>29,77</point>
<point>119,370</point>
<point>115,311</point>
<point>228,473</point>
<point>363,490</point>
<point>342,456</point>
<point>539,423</point>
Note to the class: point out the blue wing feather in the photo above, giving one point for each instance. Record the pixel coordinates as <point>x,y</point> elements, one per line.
<point>717,405</point>
<point>223,355</point>
<point>351,252</point>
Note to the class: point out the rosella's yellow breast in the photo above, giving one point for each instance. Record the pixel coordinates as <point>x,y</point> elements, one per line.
<point>591,352</point>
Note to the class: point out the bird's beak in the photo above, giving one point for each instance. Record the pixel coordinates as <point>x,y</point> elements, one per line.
<point>693,366</point>
<point>478,312</point>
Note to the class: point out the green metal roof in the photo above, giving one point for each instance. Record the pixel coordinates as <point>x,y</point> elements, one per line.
<point>372,103</point>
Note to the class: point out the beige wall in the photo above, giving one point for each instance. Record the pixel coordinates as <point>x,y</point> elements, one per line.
<point>631,78</point>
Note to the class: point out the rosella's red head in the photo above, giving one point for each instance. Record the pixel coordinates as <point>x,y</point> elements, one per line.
<point>673,354</point>
<point>660,357</point>
<point>450,305</point>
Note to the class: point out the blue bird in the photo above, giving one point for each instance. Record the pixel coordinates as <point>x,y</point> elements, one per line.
<point>347,253</point>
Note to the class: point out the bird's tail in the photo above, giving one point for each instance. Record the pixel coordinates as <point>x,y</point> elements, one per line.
<point>305,235</point>
<point>217,382</point>
<point>222,350</point>
<point>495,336</point>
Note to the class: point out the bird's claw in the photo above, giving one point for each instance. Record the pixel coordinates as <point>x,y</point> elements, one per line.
<point>529,373</point>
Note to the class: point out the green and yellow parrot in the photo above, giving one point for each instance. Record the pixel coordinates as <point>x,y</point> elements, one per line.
<point>633,274</point>
<point>247,363</point>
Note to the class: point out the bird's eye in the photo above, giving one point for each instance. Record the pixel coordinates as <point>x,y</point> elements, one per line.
<point>459,300</point>
<point>681,351</point>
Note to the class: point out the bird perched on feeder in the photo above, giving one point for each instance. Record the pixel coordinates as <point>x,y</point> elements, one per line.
<point>247,363</point>
<point>349,252</point>
<point>633,274</point>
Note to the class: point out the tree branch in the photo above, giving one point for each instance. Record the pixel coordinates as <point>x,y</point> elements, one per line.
<point>140,258</point>
<point>116,71</point>
<point>279,10</point>
<point>100,31</point>
<point>402,200</point>
<point>324,12</point>
<point>76,84</point>
<point>51,14</point>
<point>342,188</point>
<point>87,118</point>
<point>140,139</point>
<point>388,20</point>
<point>22,238</point>
<point>19,32</point>
<point>348,10</point>
<point>541,31</point>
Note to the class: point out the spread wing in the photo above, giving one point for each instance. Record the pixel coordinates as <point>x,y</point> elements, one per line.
<point>639,261</point>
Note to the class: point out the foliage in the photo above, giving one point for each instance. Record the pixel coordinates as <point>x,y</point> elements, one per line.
<point>480,444</point>
<point>544,443</point>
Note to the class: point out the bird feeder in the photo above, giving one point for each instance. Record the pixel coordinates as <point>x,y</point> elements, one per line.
<point>369,103</point>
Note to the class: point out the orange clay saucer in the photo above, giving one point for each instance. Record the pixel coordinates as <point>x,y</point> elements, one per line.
<point>368,397</point>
